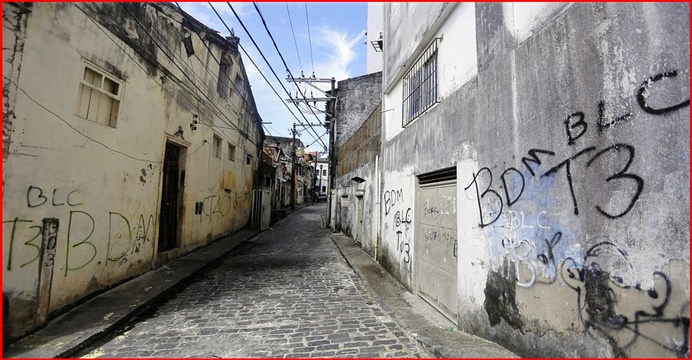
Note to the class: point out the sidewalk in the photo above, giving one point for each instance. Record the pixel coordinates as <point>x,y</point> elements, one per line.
<point>433,332</point>
<point>67,334</point>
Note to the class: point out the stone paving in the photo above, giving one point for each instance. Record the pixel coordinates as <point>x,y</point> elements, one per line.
<point>286,293</point>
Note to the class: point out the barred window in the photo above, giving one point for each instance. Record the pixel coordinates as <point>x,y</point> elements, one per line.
<point>420,85</point>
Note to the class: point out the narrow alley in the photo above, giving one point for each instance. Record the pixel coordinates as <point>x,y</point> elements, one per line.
<point>286,293</point>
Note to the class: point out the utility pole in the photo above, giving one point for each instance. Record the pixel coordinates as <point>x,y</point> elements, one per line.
<point>293,168</point>
<point>294,179</point>
<point>330,99</point>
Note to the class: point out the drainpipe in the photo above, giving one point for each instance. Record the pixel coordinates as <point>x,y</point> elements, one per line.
<point>332,153</point>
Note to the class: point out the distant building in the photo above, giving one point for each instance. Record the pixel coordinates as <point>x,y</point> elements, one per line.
<point>322,175</point>
<point>130,137</point>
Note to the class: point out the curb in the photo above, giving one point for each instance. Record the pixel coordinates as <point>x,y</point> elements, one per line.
<point>25,347</point>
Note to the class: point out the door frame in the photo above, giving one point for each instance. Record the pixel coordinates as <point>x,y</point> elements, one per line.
<point>417,246</point>
<point>182,146</point>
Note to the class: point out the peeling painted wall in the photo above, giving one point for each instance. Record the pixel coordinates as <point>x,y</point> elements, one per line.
<point>571,143</point>
<point>103,184</point>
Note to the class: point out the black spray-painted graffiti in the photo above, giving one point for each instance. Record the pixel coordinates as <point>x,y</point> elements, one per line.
<point>512,194</point>
<point>142,234</point>
<point>36,197</point>
<point>401,217</point>
<point>611,296</point>
<point>575,127</point>
<point>216,204</point>
<point>124,238</point>
<point>391,198</point>
<point>403,245</point>
<point>606,284</point>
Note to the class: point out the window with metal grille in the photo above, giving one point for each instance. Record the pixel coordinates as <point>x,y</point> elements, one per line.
<point>420,85</point>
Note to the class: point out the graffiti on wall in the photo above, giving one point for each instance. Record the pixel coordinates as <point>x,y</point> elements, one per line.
<point>611,297</point>
<point>605,300</point>
<point>401,220</point>
<point>126,236</point>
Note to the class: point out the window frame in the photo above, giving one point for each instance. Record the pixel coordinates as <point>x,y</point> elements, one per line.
<point>420,85</point>
<point>223,82</point>
<point>216,145</point>
<point>231,152</point>
<point>102,91</point>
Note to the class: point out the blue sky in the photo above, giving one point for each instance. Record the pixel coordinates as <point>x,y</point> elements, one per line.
<point>337,35</point>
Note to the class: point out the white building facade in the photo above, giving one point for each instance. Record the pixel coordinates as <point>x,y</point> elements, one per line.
<point>525,190</point>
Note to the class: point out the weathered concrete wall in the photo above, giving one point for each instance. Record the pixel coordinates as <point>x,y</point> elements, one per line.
<point>104,183</point>
<point>572,156</point>
<point>13,35</point>
<point>358,140</point>
<point>357,216</point>
<point>357,97</point>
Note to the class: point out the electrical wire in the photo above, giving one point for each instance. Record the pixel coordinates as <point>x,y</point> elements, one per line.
<point>145,57</point>
<point>230,123</point>
<point>270,67</point>
<point>218,61</point>
<point>294,39</point>
<point>265,59</point>
<point>313,143</point>
<point>75,129</point>
<point>307,18</point>
<point>284,62</point>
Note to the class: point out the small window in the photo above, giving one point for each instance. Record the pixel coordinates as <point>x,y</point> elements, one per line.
<point>231,152</point>
<point>420,85</point>
<point>324,188</point>
<point>248,159</point>
<point>238,84</point>
<point>324,172</point>
<point>217,146</point>
<point>99,97</point>
<point>224,81</point>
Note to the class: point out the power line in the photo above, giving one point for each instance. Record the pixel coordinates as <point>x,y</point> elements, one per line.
<point>155,64</point>
<point>263,57</point>
<point>251,106</point>
<point>307,18</point>
<point>230,123</point>
<point>325,133</point>
<point>75,129</point>
<point>294,39</point>
<point>257,67</point>
<point>284,62</point>
<point>287,69</point>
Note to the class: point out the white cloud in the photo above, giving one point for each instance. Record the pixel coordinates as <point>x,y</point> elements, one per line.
<point>340,53</point>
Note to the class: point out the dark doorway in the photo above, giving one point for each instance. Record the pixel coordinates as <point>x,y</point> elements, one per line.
<point>168,226</point>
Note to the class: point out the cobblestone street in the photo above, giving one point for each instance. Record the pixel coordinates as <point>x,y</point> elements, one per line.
<point>286,293</point>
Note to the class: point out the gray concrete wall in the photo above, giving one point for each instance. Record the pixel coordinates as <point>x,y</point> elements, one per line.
<point>358,140</point>
<point>358,210</point>
<point>357,97</point>
<point>572,156</point>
